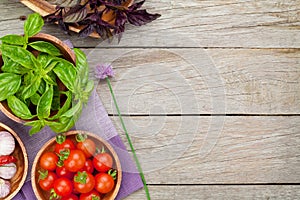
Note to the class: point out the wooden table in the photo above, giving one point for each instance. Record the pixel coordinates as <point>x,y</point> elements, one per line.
<point>210,93</point>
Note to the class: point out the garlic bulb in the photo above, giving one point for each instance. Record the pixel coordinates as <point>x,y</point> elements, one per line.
<point>7,143</point>
<point>8,171</point>
<point>4,188</point>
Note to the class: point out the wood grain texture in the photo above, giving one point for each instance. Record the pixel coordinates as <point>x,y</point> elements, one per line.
<point>254,24</point>
<point>197,81</point>
<point>216,150</point>
<point>266,192</point>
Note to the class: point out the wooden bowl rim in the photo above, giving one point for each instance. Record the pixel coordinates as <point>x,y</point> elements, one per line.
<point>25,156</point>
<point>89,134</point>
<point>56,42</point>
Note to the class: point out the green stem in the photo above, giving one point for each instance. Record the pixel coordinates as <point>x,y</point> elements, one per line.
<point>129,140</point>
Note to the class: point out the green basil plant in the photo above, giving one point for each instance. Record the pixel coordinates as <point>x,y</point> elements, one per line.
<point>28,82</point>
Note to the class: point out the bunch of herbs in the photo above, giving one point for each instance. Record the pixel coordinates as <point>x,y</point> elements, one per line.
<point>89,15</point>
<point>29,83</point>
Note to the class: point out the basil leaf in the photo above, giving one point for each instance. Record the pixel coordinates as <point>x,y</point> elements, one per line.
<point>65,107</point>
<point>12,67</point>
<point>9,85</point>
<point>66,72</point>
<point>35,99</point>
<point>20,55</point>
<point>33,25</point>
<point>42,87</point>
<point>50,66</point>
<point>57,127</point>
<point>81,67</point>
<point>32,88</point>
<point>49,80</point>
<point>74,111</point>
<point>56,99</point>
<point>44,104</point>
<point>45,47</point>
<point>13,39</point>
<point>86,93</point>
<point>37,125</point>
<point>19,108</point>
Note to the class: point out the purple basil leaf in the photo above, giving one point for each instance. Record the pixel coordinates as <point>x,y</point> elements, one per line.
<point>136,5</point>
<point>63,26</point>
<point>75,14</point>
<point>121,18</point>
<point>141,17</point>
<point>86,31</point>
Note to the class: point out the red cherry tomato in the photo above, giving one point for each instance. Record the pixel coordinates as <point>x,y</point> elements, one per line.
<point>70,197</point>
<point>104,183</point>
<point>48,161</point>
<point>103,162</point>
<point>88,147</point>
<point>75,160</point>
<point>46,180</point>
<point>88,166</point>
<point>67,144</point>
<point>63,187</point>
<point>92,195</point>
<point>84,182</point>
<point>63,172</point>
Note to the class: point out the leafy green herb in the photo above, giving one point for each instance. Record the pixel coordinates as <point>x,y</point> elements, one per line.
<point>45,47</point>
<point>9,85</point>
<point>33,25</point>
<point>31,83</point>
<point>13,39</point>
<point>19,108</point>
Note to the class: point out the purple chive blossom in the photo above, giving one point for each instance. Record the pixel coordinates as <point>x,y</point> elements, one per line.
<point>102,71</point>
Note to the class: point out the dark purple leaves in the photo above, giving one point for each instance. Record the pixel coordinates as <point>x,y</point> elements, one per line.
<point>90,15</point>
<point>141,17</point>
<point>75,14</point>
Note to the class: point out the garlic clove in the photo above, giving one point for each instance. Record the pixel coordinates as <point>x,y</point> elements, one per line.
<point>8,171</point>
<point>4,188</point>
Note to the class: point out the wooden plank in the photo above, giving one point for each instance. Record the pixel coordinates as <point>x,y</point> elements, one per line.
<point>251,24</point>
<point>216,150</point>
<point>221,192</point>
<point>197,81</point>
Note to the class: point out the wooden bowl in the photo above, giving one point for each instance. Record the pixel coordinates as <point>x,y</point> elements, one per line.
<point>67,53</point>
<point>22,163</point>
<point>49,146</point>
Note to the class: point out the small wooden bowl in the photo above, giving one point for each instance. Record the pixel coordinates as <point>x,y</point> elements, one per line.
<point>22,163</point>
<point>49,146</point>
<point>66,52</point>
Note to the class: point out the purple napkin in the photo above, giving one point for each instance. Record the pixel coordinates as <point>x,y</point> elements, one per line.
<point>94,119</point>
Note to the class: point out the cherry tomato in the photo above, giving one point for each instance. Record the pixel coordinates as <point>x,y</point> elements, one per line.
<point>75,160</point>
<point>104,183</point>
<point>48,161</point>
<point>92,195</point>
<point>67,144</point>
<point>103,162</point>
<point>84,182</point>
<point>88,166</point>
<point>70,197</point>
<point>88,147</point>
<point>46,180</point>
<point>63,172</point>
<point>63,187</point>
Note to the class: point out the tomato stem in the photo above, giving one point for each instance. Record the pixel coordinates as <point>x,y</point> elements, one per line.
<point>42,175</point>
<point>60,138</point>
<point>80,177</point>
<point>80,137</point>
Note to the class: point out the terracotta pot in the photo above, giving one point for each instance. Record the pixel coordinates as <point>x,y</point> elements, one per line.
<point>22,163</point>
<point>67,53</point>
<point>49,146</point>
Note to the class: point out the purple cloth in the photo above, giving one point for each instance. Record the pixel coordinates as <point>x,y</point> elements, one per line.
<point>94,119</point>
